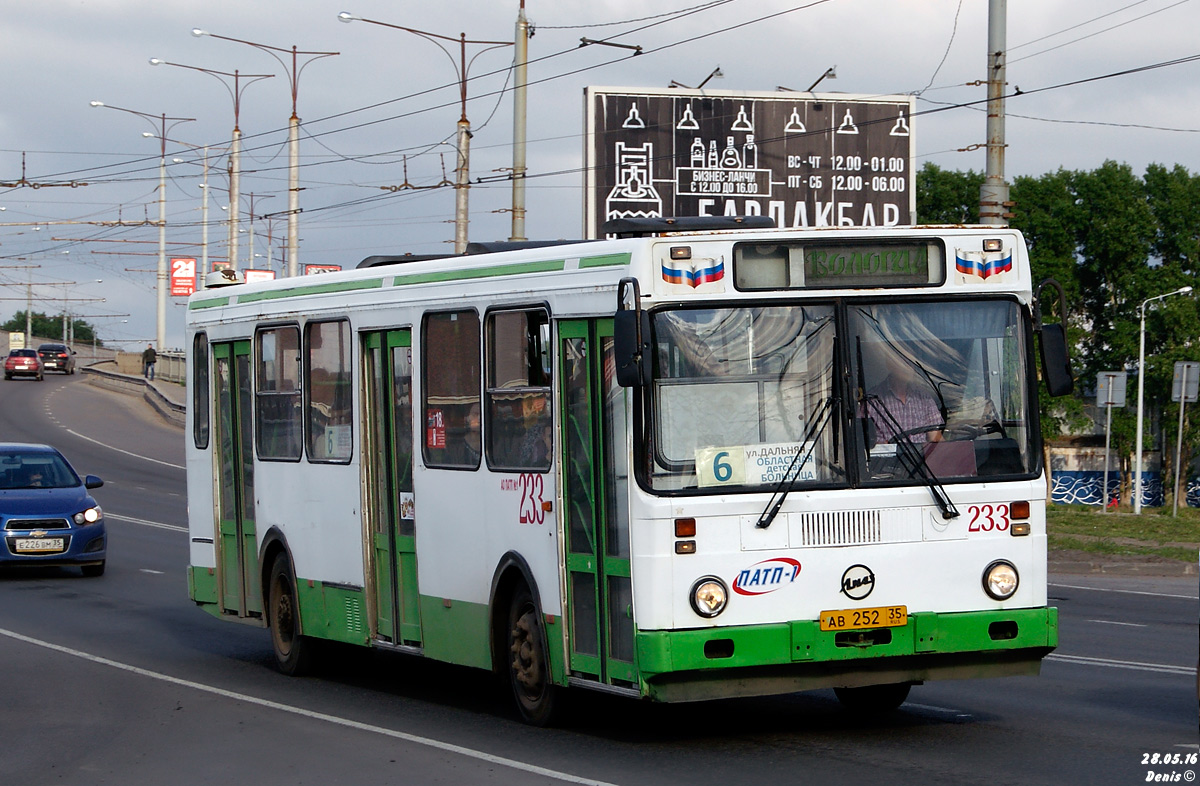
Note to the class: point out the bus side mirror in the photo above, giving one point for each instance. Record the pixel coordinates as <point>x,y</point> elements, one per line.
<point>631,334</point>
<point>1056,360</point>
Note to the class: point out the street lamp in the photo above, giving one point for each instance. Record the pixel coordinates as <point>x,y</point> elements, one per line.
<point>1137,481</point>
<point>160,123</point>
<point>293,134</point>
<point>235,145</point>
<point>462,179</point>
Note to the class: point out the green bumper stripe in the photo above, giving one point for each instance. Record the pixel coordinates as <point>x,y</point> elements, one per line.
<point>660,652</point>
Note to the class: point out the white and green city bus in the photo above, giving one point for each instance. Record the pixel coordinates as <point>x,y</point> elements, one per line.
<point>667,465</point>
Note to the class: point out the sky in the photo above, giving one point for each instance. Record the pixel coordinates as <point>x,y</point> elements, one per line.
<point>380,115</point>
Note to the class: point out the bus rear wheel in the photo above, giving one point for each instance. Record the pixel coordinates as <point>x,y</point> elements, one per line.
<point>293,652</point>
<point>873,698</point>
<point>528,665</point>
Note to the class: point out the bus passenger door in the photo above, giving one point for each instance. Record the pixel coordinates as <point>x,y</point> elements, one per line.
<point>392,513</point>
<point>241,593</point>
<point>595,494</point>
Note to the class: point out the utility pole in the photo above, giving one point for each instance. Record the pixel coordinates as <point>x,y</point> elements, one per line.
<point>520,80</point>
<point>993,194</point>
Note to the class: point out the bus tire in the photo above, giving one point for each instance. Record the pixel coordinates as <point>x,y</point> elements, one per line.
<point>528,665</point>
<point>293,652</point>
<point>874,698</point>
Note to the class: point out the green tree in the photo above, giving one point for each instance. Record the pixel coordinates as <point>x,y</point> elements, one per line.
<point>51,327</point>
<point>947,197</point>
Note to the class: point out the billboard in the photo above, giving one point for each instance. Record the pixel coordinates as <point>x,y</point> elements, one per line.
<point>252,276</point>
<point>316,270</point>
<point>804,159</point>
<point>183,276</point>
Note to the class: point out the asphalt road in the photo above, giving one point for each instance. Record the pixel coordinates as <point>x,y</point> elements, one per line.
<point>122,680</point>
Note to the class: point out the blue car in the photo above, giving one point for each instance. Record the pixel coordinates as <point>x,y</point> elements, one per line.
<point>46,513</point>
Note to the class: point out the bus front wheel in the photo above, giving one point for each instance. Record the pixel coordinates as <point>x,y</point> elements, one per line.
<point>528,665</point>
<point>293,652</point>
<point>873,698</point>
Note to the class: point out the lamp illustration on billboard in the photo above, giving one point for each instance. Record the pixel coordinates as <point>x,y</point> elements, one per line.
<point>687,122</point>
<point>742,123</point>
<point>847,126</point>
<point>901,127</point>
<point>634,120</point>
<point>794,124</point>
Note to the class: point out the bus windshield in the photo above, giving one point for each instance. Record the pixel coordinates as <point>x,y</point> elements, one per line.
<point>745,398</point>
<point>734,392</point>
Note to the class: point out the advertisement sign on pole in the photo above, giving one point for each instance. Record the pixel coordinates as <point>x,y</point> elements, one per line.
<point>804,159</point>
<point>252,276</point>
<point>183,276</point>
<point>312,270</point>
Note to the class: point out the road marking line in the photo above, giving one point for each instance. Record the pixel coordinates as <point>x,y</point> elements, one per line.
<point>1127,592</point>
<point>1161,668</point>
<point>320,716</point>
<point>1127,624</point>
<point>126,452</point>
<point>154,572</point>
<point>144,522</point>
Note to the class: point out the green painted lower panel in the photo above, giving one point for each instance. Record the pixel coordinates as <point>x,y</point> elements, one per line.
<point>660,652</point>
<point>202,584</point>
<point>329,612</point>
<point>456,631</point>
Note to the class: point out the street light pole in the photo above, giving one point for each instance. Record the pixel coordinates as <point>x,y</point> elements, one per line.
<point>235,144</point>
<point>1137,447</point>
<point>293,134</point>
<point>161,316</point>
<point>520,81</point>
<point>462,172</point>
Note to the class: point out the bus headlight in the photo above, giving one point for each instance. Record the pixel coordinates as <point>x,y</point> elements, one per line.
<point>1000,580</point>
<point>89,516</point>
<point>709,596</point>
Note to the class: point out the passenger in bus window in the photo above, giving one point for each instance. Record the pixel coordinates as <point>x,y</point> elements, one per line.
<point>471,439</point>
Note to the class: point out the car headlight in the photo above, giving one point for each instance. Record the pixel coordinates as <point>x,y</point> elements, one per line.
<point>1000,580</point>
<point>89,516</point>
<point>709,596</point>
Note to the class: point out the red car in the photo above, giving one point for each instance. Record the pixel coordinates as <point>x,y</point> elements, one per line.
<point>23,362</point>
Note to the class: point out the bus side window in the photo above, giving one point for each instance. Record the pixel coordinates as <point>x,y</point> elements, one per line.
<point>450,389</point>
<point>327,385</point>
<point>201,391</point>
<point>277,394</point>
<point>518,390</point>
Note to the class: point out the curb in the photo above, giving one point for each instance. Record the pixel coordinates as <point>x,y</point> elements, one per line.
<point>173,412</point>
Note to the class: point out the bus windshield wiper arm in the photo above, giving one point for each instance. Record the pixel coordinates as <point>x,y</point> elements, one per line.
<point>915,457</point>
<point>815,427</point>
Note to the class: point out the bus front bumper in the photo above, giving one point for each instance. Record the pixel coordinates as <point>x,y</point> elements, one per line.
<point>757,660</point>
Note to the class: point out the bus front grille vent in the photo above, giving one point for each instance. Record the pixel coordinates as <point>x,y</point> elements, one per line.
<point>853,528</point>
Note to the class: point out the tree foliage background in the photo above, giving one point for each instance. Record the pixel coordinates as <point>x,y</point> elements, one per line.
<point>51,326</point>
<point>1113,239</point>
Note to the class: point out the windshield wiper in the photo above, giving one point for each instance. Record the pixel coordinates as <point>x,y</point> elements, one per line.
<point>915,458</point>
<point>815,427</point>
